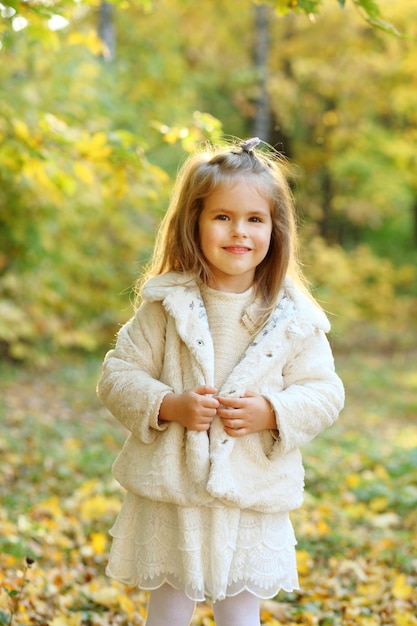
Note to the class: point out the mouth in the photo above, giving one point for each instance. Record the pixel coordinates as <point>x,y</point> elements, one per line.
<point>237,249</point>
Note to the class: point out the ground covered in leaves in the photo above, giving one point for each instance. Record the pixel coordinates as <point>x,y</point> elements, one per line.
<point>357,551</point>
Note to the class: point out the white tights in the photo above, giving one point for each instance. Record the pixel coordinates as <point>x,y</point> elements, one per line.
<point>170,607</point>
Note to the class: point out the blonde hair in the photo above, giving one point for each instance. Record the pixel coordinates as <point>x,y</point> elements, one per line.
<point>177,244</point>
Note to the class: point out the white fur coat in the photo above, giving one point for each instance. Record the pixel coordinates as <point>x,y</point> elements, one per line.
<point>167,347</point>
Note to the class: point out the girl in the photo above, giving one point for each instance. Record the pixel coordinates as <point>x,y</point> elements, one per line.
<point>221,375</point>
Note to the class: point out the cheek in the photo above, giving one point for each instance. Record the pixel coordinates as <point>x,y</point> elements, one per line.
<point>204,237</point>
<point>209,233</point>
<point>266,245</point>
<point>265,238</point>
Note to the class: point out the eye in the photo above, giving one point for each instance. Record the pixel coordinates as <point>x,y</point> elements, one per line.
<point>256,219</point>
<point>221,217</point>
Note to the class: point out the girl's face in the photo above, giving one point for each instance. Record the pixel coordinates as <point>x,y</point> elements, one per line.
<point>235,229</point>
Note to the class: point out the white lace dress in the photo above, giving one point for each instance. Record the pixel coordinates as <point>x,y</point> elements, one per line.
<point>214,551</point>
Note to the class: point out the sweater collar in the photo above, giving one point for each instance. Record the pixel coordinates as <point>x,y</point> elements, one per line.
<point>291,300</point>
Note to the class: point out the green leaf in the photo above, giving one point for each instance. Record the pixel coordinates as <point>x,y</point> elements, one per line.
<point>369,6</point>
<point>385,26</point>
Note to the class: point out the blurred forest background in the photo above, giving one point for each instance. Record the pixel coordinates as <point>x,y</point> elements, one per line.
<point>99,103</point>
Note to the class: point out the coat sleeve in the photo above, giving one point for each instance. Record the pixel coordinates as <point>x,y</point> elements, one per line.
<point>313,394</point>
<point>129,385</point>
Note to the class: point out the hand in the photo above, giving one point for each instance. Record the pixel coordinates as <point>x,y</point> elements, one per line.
<point>243,416</point>
<point>194,409</point>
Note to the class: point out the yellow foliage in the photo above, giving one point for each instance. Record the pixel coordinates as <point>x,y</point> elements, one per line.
<point>68,620</point>
<point>304,562</point>
<point>127,605</point>
<point>405,619</point>
<point>4,598</point>
<point>119,183</point>
<point>83,172</point>
<point>36,169</point>
<point>93,147</point>
<point>51,506</point>
<point>363,293</point>
<point>106,596</point>
<point>95,507</point>
<point>98,542</point>
<point>401,589</point>
<point>352,480</point>
<point>174,134</point>
<point>381,472</point>
<point>88,487</point>
<point>21,129</point>
<point>90,39</point>
<point>406,437</point>
<point>322,527</point>
<point>379,504</point>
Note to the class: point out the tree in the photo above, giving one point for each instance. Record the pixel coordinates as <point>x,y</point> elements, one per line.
<point>262,122</point>
<point>86,144</point>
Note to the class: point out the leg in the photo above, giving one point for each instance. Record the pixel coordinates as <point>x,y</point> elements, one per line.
<point>240,610</point>
<point>169,607</point>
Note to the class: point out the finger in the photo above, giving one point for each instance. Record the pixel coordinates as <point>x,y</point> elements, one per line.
<point>209,413</point>
<point>232,425</point>
<point>210,404</point>
<point>228,412</point>
<point>202,427</point>
<point>235,432</point>
<point>231,403</point>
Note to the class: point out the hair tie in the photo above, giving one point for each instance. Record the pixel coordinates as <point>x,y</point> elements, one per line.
<point>250,144</point>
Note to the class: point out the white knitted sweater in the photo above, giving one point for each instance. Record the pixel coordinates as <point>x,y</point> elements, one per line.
<point>230,336</point>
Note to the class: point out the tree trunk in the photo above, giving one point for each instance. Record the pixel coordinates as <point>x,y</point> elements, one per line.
<point>106,30</point>
<point>415,222</point>
<point>262,122</point>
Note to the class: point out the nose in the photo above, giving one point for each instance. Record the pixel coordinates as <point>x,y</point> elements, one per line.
<point>239,229</point>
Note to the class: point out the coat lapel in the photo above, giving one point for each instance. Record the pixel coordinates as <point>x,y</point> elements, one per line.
<point>182,299</point>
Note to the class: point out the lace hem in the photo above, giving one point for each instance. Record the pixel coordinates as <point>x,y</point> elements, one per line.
<point>206,552</point>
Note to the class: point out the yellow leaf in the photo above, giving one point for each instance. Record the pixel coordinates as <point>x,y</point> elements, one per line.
<point>67,620</point>
<point>369,591</point>
<point>83,173</point>
<point>51,506</point>
<point>322,527</point>
<point>304,562</point>
<point>106,596</point>
<point>356,511</point>
<point>91,40</point>
<point>119,185</point>
<point>405,619</point>
<point>21,130</point>
<point>272,609</point>
<point>174,134</point>
<point>379,504</point>
<point>401,589</point>
<point>381,472</point>
<point>127,605</point>
<point>89,486</point>
<point>99,542</point>
<point>353,480</point>
<point>96,506</point>
<point>4,599</point>
<point>94,147</point>
<point>34,169</point>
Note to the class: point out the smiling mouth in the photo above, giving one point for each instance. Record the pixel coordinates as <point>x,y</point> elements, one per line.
<point>237,249</point>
